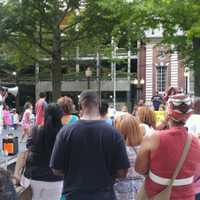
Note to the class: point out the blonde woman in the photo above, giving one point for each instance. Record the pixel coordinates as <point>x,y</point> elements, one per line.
<point>147,119</point>
<point>126,188</point>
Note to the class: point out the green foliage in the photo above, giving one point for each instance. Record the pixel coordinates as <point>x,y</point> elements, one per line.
<point>28,28</point>
<point>37,30</point>
<point>125,22</point>
<point>184,16</point>
<point>30,31</point>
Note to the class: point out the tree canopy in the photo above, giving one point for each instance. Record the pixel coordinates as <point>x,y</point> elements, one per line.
<point>33,30</point>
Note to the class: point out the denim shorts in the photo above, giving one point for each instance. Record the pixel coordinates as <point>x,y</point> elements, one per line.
<point>90,195</point>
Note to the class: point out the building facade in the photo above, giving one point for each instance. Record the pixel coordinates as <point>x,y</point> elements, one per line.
<point>161,67</point>
<point>154,68</point>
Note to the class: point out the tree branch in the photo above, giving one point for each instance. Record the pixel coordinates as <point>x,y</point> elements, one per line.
<point>41,46</point>
<point>13,42</point>
<point>43,14</point>
<point>38,43</point>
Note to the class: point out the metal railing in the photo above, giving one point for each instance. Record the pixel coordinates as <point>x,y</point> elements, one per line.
<point>72,76</point>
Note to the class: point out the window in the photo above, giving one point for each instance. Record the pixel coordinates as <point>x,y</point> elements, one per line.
<point>161,78</point>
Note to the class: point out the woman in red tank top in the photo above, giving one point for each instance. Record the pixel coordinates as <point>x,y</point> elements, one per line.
<point>159,154</point>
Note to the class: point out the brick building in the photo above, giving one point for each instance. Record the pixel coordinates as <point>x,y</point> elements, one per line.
<point>161,67</point>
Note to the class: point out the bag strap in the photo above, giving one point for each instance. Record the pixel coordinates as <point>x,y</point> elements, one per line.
<point>182,158</point>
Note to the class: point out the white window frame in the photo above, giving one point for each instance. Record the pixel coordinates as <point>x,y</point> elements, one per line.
<point>161,87</point>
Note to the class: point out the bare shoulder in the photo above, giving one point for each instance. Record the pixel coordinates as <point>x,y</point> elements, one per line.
<point>149,143</point>
<point>152,141</point>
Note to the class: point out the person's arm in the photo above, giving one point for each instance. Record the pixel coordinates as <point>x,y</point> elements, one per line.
<point>4,96</point>
<point>20,163</point>
<point>149,144</point>
<point>44,105</point>
<point>28,115</point>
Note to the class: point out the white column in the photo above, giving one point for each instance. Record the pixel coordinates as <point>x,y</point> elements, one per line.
<point>149,72</point>
<point>191,82</point>
<point>37,80</point>
<point>77,59</point>
<point>129,65</point>
<point>113,66</point>
<point>174,69</point>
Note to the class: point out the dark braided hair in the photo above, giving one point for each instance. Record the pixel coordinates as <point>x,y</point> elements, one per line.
<point>7,191</point>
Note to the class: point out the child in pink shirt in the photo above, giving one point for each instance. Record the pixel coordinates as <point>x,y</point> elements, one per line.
<point>27,120</point>
<point>6,117</point>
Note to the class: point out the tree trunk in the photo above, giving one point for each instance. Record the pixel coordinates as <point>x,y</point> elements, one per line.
<point>196,46</point>
<point>56,65</point>
<point>56,79</point>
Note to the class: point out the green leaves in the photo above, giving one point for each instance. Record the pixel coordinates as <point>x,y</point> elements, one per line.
<point>27,29</point>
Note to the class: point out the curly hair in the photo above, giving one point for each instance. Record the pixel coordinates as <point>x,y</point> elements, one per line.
<point>147,116</point>
<point>66,104</point>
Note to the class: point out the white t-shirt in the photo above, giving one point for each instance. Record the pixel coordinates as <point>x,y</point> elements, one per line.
<point>193,125</point>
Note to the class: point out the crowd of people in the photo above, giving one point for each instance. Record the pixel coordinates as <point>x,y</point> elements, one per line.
<point>101,154</point>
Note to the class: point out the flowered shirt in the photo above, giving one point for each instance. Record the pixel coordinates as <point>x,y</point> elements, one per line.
<point>127,188</point>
